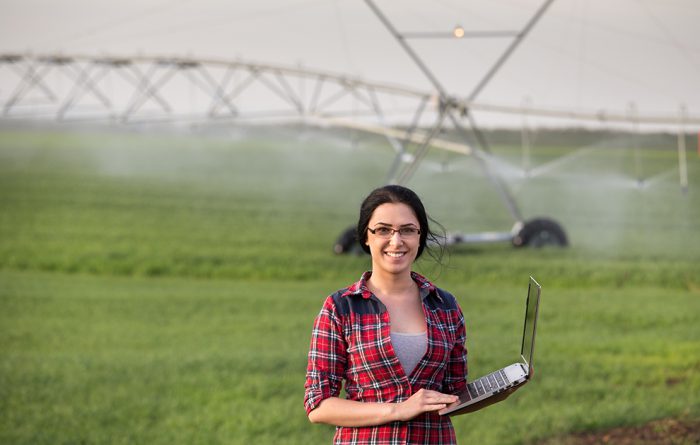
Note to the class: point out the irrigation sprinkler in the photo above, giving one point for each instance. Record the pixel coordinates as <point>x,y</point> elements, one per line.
<point>537,232</point>
<point>525,138</point>
<point>147,90</point>
<point>682,162</point>
<point>632,109</point>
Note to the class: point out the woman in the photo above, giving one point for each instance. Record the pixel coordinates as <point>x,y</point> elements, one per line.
<point>394,338</point>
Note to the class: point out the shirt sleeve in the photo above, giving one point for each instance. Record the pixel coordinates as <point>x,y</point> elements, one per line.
<point>456,374</point>
<point>327,357</point>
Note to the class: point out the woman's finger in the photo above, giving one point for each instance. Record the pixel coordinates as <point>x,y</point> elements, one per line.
<point>440,398</point>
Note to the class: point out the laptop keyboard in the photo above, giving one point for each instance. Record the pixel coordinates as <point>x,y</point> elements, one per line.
<point>488,383</point>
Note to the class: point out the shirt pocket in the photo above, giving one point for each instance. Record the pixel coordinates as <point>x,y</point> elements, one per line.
<point>373,368</point>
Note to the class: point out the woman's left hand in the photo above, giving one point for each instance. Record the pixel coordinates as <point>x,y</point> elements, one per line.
<point>482,404</point>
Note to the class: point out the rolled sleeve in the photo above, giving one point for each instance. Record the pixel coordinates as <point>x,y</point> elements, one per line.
<point>327,358</point>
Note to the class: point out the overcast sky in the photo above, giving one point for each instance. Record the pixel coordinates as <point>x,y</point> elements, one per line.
<point>583,54</point>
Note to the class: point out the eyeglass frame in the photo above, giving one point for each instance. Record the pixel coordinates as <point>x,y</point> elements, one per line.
<point>394,231</point>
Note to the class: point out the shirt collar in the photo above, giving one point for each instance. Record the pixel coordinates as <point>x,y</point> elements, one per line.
<point>425,287</point>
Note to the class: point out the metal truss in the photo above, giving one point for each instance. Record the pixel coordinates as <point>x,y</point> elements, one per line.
<point>153,90</point>
<point>148,90</point>
<point>141,89</point>
<point>134,90</point>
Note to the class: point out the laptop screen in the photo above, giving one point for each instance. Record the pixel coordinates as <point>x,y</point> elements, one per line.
<point>533,299</point>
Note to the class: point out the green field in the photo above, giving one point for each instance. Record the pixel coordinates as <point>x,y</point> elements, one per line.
<point>160,289</point>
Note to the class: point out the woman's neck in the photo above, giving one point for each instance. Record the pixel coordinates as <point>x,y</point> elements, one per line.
<point>391,285</point>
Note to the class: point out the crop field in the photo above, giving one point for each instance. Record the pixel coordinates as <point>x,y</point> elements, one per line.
<point>160,288</point>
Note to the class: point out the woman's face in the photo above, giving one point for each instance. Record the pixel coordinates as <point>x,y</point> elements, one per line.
<point>393,254</point>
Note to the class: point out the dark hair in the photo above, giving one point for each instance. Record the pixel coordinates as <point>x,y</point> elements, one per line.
<point>395,194</point>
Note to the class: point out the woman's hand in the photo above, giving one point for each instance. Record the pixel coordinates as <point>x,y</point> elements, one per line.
<point>424,400</point>
<point>484,403</point>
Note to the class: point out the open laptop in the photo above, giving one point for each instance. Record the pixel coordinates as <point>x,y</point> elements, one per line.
<point>512,375</point>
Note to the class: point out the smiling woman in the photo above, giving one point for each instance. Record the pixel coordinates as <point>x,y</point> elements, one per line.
<point>393,250</point>
<point>394,337</point>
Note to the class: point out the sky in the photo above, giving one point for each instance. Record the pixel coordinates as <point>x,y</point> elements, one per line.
<point>583,55</point>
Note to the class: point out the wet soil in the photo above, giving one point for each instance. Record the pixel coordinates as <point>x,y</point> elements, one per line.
<point>659,432</point>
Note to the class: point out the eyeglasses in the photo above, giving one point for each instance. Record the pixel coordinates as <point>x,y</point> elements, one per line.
<point>388,232</point>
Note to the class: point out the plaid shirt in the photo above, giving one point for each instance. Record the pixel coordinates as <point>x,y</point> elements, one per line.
<point>350,341</point>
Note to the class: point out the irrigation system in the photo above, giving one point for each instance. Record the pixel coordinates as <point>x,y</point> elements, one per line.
<point>146,90</point>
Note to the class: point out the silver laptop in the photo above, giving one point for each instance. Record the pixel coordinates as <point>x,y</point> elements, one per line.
<point>512,375</point>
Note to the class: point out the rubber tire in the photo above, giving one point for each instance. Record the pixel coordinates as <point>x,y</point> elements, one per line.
<point>347,243</point>
<point>541,232</point>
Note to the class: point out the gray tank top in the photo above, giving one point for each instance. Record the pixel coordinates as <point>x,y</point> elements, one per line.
<point>409,348</point>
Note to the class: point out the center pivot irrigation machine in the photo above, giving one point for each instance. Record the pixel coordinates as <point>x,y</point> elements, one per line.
<point>536,232</point>
<point>142,91</point>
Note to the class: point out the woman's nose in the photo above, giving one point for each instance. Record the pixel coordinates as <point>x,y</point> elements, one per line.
<point>395,238</point>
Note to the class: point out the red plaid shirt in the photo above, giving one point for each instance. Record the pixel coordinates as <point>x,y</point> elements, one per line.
<point>350,341</point>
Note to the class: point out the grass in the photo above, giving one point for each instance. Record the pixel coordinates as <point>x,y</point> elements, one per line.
<point>161,290</point>
<point>153,360</point>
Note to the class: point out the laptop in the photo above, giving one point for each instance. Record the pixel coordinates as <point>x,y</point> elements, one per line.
<point>512,375</point>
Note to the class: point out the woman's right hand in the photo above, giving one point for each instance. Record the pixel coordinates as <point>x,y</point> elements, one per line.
<point>424,400</point>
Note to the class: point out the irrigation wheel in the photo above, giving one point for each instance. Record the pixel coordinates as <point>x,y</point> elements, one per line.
<point>347,242</point>
<point>540,232</point>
